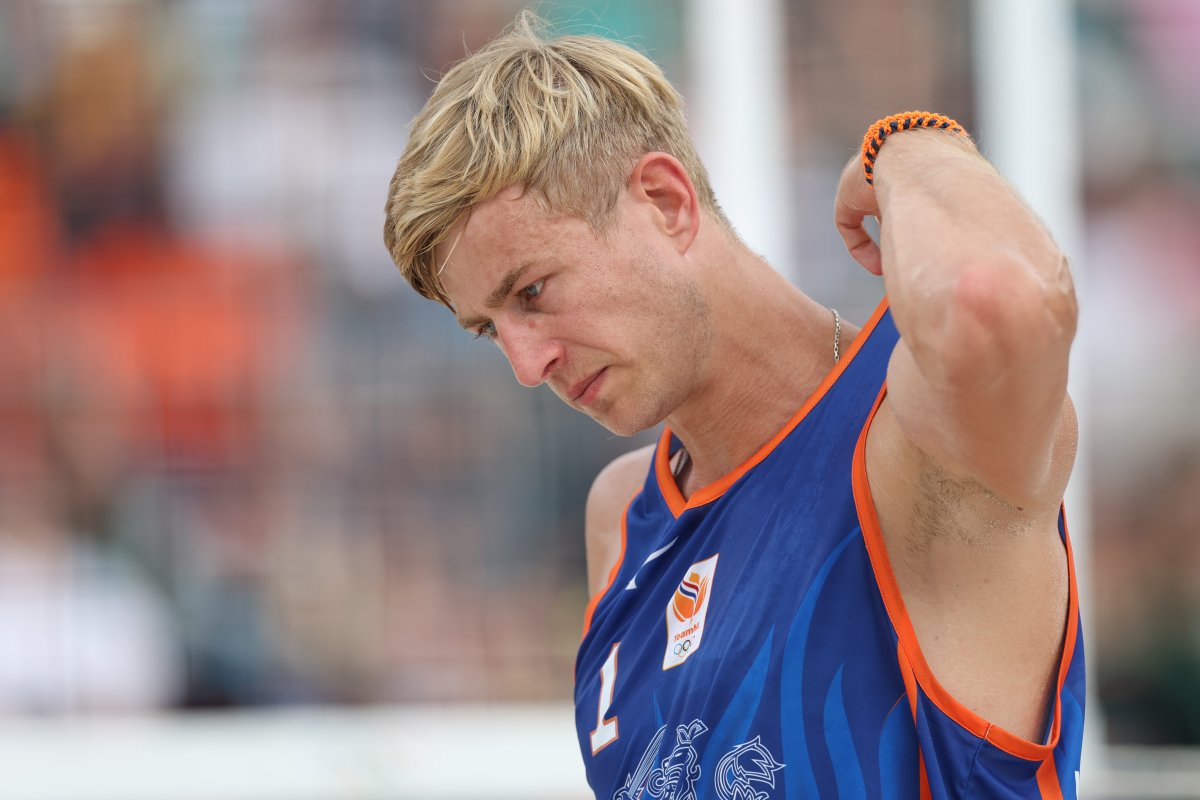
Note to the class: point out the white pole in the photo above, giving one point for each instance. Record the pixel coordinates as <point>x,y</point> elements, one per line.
<point>737,100</point>
<point>1029,128</point>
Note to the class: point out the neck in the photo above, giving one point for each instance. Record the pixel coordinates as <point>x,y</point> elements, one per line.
<point>773,347</point>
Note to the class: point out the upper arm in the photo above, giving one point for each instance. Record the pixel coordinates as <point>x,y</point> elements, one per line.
<point>984,393</point>
<point>611,492</point>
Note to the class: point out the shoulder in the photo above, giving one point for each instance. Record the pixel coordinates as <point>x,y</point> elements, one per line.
<point>610,494</point>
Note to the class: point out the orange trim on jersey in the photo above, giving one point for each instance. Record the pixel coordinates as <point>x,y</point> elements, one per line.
<point>910,689</point>
<point>886,580</point>
<point>1047,780</point>
<point>662,467</point>
<point>910,680</point>
<point>612,573</point>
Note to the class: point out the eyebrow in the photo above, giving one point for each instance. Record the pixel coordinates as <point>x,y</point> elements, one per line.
<point>496,298</point>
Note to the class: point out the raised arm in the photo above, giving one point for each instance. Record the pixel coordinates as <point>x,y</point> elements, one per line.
<point>985,305</point>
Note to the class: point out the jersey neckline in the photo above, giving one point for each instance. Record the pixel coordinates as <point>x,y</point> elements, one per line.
<point>662,470</point>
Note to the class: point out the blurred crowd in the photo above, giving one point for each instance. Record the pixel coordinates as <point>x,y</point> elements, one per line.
<point>243,464</point>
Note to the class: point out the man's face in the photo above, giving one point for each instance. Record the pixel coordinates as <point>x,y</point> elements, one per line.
<point>615,323</point>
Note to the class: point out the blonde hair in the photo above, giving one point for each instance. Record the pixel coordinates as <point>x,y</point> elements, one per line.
<point>566,118</point>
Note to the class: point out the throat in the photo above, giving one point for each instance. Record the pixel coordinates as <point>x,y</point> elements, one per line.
<point>681,469</point>
<point>760,391</point>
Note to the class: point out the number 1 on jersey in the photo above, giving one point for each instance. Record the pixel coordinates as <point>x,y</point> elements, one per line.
<point>606,729</point>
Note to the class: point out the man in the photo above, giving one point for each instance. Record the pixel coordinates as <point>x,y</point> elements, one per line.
<point>813,586</point>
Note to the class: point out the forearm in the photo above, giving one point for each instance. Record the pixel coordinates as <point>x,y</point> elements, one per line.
<point>959,246</point>
<point>984,302</point>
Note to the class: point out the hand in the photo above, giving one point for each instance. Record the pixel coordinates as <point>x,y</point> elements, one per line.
<point>855,200</point>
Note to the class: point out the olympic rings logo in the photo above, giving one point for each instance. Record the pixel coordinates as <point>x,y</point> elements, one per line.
<point>683,647</point>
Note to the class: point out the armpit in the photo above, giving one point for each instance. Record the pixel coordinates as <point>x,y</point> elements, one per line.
<point>947,506</point>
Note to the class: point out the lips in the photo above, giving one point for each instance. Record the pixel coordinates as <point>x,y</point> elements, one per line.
<point>577,390</point>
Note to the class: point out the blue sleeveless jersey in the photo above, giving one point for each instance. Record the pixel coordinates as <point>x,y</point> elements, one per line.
<point>752,643</point>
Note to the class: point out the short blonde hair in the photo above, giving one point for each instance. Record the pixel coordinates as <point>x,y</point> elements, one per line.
<point>566,118</point>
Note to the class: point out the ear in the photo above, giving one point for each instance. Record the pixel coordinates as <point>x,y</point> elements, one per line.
<point>660,181</point>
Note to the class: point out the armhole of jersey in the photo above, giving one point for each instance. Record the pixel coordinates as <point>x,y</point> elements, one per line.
<point>612,573</point>
<point>910,649</point>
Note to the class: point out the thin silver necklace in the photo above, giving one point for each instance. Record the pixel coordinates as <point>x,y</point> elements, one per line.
<point>837,335</point>
<point>684,460</point>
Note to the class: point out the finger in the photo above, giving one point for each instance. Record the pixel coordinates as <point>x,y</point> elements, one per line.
<point>859,243</point>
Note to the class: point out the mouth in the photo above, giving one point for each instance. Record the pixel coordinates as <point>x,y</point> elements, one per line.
<point>584,392</point>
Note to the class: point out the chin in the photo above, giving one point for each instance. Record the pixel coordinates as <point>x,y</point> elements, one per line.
<point>616,429</point>
<point>625,424</point>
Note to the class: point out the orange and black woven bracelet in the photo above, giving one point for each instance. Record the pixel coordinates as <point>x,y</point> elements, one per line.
<point>904,121</point>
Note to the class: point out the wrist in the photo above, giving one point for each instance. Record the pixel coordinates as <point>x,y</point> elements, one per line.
<point>919,154</point>
<point>914,124</point>
<point>927,148</point>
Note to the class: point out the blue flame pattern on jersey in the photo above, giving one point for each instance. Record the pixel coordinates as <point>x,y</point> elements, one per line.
<point>798,687</point>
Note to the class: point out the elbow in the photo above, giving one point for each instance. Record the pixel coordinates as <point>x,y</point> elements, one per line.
<point>1027,297</point>
<point>1007,311</point>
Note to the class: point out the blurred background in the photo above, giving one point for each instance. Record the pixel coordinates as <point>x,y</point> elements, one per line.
<point>247,475</point>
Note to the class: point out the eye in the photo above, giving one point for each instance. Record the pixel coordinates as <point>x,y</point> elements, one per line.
<point>532,291</point>
<point>486,331</point>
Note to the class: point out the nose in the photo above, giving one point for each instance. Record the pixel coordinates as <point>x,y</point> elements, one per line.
<point>532,355</point>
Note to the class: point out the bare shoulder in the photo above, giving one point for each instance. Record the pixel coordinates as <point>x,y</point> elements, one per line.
<point>610,494</point>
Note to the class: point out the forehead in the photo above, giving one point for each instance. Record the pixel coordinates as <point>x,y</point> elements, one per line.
<point>495,221</point>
